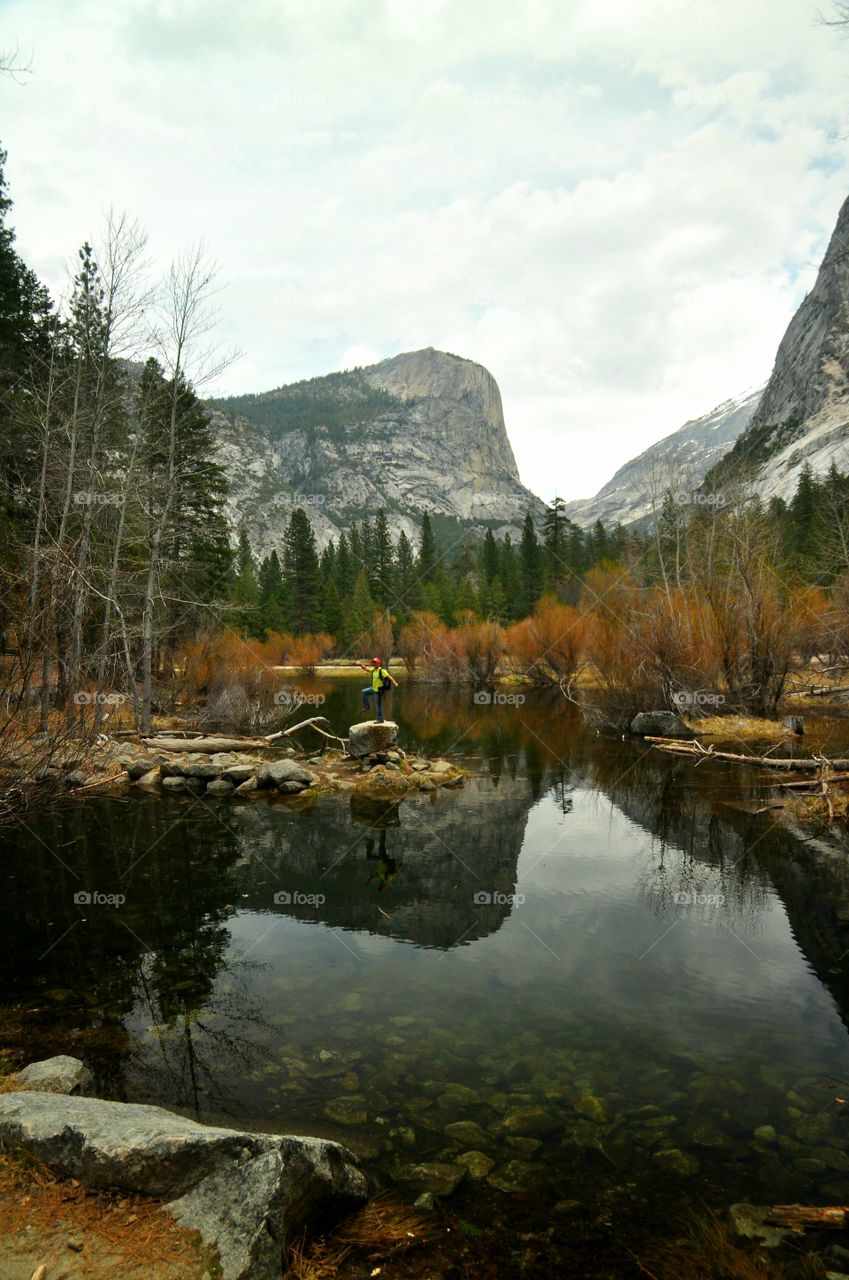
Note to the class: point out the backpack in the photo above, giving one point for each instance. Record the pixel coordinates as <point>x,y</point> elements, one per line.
<point>385,682</point>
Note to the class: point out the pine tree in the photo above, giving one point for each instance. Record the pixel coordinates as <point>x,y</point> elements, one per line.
<point>511,579</point>
<point>360,614</point>
<point>272,602</point>
<point>531,567</point>
<point>490,557</point>
<point>331,613</point>
<point>245,588</point>
<point>301,574</point>
<point>555,535</point>
<point>426,563</point>
<point>405,577</point>
<point>345,573</point>
<point>802,509</point>
<point>381,559</point>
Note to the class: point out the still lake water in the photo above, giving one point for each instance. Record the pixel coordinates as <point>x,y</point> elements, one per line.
<point>594,964</point>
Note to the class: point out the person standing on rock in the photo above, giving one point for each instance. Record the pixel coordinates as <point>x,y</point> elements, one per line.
<point>381,682</point>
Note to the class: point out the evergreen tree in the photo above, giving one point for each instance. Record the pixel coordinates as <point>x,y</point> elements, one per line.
<point>381,559</point>
<point>301,574</point>
<point>331,613</point>
<point>272,601</point>
<point>555,540</point>
<point>345,573</point>
<point>406,587</point>
<point>360,615</point>
<point>531,567</point>
<point>511,580</point>
<point>245,588</point>
<point>801,513</point>
<point>490,557</point>
<point>427,561</point>
<point>367,561</point>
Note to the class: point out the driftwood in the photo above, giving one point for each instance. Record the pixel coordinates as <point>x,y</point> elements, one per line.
<point>314,722</point>
<point>698,752</point>
<point>206,745</point>
<point>801,1217</point>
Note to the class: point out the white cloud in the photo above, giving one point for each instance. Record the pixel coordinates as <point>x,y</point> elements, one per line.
<point>615,208</point>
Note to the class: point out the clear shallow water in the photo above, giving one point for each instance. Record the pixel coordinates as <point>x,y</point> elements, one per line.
<point>592,964</point>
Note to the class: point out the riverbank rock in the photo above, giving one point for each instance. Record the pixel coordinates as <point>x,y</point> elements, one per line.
<point>245,1193</point>
<point>371,736</point>
<point>278,772</point>
<point>660,724</point>
<point>56,1075</point>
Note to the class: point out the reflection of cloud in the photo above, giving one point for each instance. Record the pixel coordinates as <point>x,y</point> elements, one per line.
<point>565,195</point>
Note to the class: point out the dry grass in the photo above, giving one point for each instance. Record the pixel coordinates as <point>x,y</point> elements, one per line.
<point>727,728</point>
<point>130,1227</point>
<point>706,1250</point>
<point>381,1229</point>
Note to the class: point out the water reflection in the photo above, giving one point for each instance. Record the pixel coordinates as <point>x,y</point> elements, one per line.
<point>585,965</point>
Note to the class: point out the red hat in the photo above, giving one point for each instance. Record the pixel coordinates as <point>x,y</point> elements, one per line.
<point>377,660</point>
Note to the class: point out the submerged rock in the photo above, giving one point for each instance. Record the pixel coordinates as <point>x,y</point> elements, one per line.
<point>440,1179</point>
<point>477,1164</point>
<point>677,1161</point>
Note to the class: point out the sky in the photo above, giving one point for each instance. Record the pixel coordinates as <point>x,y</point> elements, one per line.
<point>615,207</point>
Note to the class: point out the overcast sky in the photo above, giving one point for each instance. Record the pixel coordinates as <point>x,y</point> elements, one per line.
<point>615,206</point>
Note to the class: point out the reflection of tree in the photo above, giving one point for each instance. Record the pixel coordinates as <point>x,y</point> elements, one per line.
<point>84,966</point>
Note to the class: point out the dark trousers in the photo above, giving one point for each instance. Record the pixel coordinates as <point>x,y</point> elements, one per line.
<point>377,694</point>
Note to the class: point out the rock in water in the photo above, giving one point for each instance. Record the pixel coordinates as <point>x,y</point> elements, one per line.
<point>660,724</point>
<point>370,736</point>
<point>56,1075</point>
<point>246,1193</point>
<point>280,771</point>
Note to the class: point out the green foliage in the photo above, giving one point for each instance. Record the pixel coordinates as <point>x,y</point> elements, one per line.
<point>335,403</point>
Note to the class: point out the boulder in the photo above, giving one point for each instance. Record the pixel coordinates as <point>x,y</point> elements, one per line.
<point>371,736</point>
<point>247,1194</point>
<point>174,784</point>
<point>277,771</point>
<point>238,773</point>
<point>434,1176</point>
<point>56,1075</point>
<point>660,724</point>
<point>138,768</point>
<point>246,788</point>
<point>205,770</point>
<point>219,787</point>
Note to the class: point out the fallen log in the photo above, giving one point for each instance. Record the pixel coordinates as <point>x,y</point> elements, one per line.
<point>800,1217</point>
<point>206,745</point>
<point>698,752</point>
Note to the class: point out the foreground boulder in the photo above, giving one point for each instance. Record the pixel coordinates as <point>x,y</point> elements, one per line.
<point>279,773</point>
<point>660,724</point>
<point>56,1075</point>
<point>371,736</point>
<point>247,1194</point>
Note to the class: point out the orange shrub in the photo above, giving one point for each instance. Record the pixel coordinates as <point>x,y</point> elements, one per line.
<point>308,650</point>
<point>548,646</point>
<point>418,636</point>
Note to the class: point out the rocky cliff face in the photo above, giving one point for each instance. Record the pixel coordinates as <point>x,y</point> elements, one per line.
<point>803,415</point>
<point>422,431</point>
<point>678,462</point>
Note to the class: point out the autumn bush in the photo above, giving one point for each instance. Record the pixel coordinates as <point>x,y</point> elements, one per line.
<point>548,647</point>
<point>305,652</point>
<point>416,638</point>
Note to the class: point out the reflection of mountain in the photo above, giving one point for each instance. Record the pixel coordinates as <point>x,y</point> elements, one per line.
<point>708,815</point>
<point>416,880</point>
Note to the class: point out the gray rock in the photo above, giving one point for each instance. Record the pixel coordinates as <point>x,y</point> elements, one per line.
<point>277,771</point>
<point>292,788</point>
<point>246,1194</point>
<point>151,778</point>
<point>174,784</point>
<point>238,773</point>
<point>749,1221</point>
<point>202,769</point>
<point>372,736</point>
<point>434,1176</point>
<point>219,787</point>
<point>245,788</point>
<point>660,724</point>
<point>138,768</point>
<point>56,1075</point>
